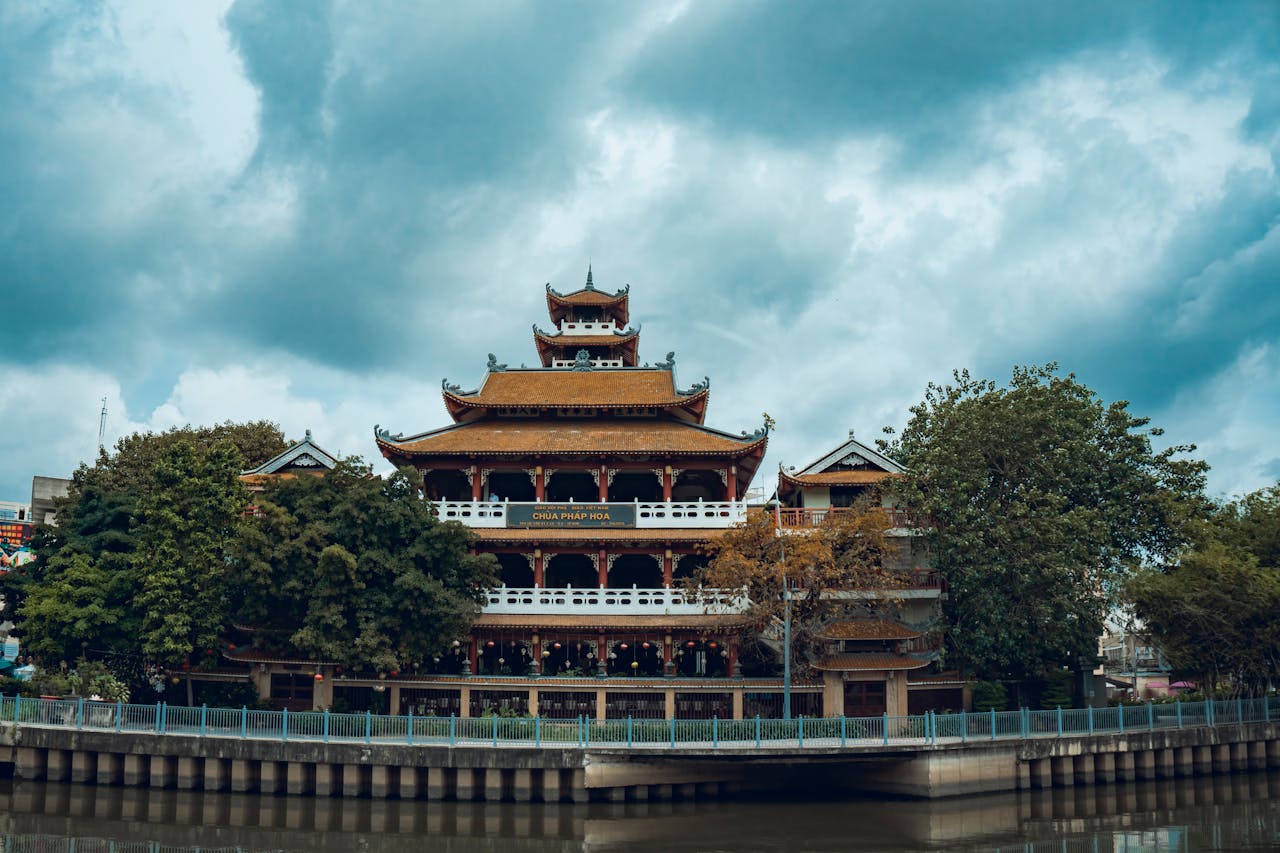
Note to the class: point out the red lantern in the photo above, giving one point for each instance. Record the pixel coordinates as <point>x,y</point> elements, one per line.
<point>555,645</point>
<point>623,646</point>
<point>489,644</point>
<point>319,677</point>
<point>231,647</point>
<point>645,645</point>
<point>690,644</point>
<point>395,673</point>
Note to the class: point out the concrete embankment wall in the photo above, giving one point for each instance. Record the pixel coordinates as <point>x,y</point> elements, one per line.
<point>575,774</point>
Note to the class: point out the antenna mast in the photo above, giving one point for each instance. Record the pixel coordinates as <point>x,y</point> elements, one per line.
<point>102,423</point>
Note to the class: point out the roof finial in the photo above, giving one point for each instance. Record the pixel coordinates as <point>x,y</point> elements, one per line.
<point>308,435</point>
<point>590,284</point>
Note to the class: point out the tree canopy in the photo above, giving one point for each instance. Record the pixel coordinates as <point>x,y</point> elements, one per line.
<point>1212,612</point>
<point>1042,499</point>
<point>357,570</point>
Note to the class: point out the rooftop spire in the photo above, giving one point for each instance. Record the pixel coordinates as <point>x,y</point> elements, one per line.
<point>590,284</point>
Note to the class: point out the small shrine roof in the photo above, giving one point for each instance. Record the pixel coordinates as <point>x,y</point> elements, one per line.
<point>854,662</point>
<point>571,340</point>
<point>868,629</point>
<point>613,304</point>
<point>564,388</point>
<point>838,478</point>
<point>573,438</point>
<point>305,455</point>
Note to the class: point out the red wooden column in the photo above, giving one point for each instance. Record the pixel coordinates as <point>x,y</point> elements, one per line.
<point>535,651</point>
<point>604,484</point>
<point>473,655</point>
<point>668,570</point>
<point>732,484</point>
<point>733,656</point>
<point>666,484</point>
<point>668,655</point>
<point>476,486</point>
<point>539,483</point>
<point>538,575</point>
<point>602,571</point>
<point>602,653</point>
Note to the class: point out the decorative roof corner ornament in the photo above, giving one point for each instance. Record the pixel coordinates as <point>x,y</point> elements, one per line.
<point>385,434</point>
<point>696,387</point>
<point>456,390</point>
<point>582,361</point>
<point>628,331</point>
<point>755,436</point>
<point>541,333</point>
<point>553,291</point>
<point>669,364</point>
<point>494,366</point>
<point>626,288</point>
<point>590,284</point>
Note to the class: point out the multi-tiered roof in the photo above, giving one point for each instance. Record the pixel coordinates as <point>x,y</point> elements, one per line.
<point>589,399</point>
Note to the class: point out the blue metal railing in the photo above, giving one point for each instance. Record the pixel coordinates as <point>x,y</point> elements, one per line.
<point>715,733</point>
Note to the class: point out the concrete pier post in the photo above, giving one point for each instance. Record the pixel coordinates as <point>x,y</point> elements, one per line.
<point>437,783</point>
<point>408,783</point>
<point>136,772</point>
<point>1041,773</point>
<point>1125,770</point>
<point>1240,756</point>
<point>660,792</point>
<point>522,785</point>
<point>493,784</point>
<point>1146,764</point>
<point>217,775</point>
<point>551,788</point>
<point>1105,765</point>
<point>464,788</point>
<point>1222,758</point>
<point>162,771</point>
<point>1064,773</point>
<point>58,766</point>
<point>1273,753</point>
<point>324,780</point>
<point>272,777</point>
<point>1165,763</point>
<point>687,792</point>
<point>30,763</point>
<point>1185,764</point>
<point>190,773</point>
<point>1202,760</point>
<point>1258,755</point>
<point>84,766</point>
<point>298,778</point>
<point>381,784</point>
<point>578,785</point>
<point>1083,770</point>
<point>243,775</point>
<point>638,793</point>
<point>351,781</point>
<point>110,768</point>
<point>611,795</point>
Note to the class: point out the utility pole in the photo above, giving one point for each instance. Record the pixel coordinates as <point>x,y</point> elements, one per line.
<point>102,424</point>
<point>786,605</point>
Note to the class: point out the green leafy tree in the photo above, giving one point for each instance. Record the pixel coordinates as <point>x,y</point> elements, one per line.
<point>1212,612</point>
<point>357,570</point>
<point>1042,498</point>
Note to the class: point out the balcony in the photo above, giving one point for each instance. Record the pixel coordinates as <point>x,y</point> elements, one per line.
<point>659,514</point>
<point>795,518</point>
<point>614,602</point>
<point>581,327</point>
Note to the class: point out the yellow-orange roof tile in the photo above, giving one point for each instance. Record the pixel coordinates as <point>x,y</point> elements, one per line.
<point>861,663</point>
<point>562,388</point>
<point>868,629</point>
<point>573,438</point>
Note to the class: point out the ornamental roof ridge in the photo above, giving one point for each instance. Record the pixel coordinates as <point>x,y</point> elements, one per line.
<point>621,334</point>
<point>852,445</point>
<point>306,447</point>
<point>386,437</point>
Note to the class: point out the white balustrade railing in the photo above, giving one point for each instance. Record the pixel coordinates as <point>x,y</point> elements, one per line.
<point>633,601</point>
<point>651,515</point>
<point>578,327</point>
<point>595,362</point>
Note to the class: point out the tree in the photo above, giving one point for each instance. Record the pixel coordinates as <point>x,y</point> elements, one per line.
<point>1042,500</point>
<point>847,552</point>
<point>1212,611</point>
<point>357,570</point>
<point>135,534</point>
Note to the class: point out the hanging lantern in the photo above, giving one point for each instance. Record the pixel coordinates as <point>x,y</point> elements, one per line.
<point>546,654</point>
<point>691,644</point>
<point>623,646</point>
<point>555,645</point>
<point>319,677</point>
<point>501,661</point>
<point>489,644</point>
<point>711,645</point>
<point>456,644</point>
<point>645,645</point>
<point>635,664</point>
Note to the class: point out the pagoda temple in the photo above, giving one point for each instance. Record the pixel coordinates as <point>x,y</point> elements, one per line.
<point>596,483</point>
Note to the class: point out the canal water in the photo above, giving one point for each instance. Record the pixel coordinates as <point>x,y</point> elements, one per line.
<point>1237,812</point>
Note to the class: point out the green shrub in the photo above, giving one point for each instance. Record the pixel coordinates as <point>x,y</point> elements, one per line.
<point>990,696</point>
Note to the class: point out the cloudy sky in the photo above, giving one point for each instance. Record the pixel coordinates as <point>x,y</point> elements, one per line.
<point>312,212</point>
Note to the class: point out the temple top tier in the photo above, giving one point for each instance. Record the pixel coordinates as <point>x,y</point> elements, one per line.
<point>588,304</point>
<point>590,321</point>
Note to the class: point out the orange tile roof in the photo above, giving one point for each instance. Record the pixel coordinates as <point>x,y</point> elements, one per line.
<point>586,340</point>
<point>868,629</point>
<point>572,438</point>
<point>563,388</point>
<point>587,534</point>
<point>564,620</point>
<point>839,478</point>
<point>853,662</point>
<point>587,297</point>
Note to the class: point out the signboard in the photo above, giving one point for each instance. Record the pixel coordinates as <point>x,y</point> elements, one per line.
<point>571,515</point>
<point>15,541</point>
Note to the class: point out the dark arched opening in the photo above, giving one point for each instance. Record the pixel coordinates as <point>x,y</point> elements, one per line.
<point>635,486</point>
<point>572,486</point>
<point>706,658</point>
<point>511,486</point>
<point>635,570</point>
<point>446,486</point>
<point>515,571</point>
<point>575,570</point>
<point>639,658</point>
<point>688,566</point>
<point>699,486</point>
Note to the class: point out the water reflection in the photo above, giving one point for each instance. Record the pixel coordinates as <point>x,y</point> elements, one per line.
<point>1237,812</point>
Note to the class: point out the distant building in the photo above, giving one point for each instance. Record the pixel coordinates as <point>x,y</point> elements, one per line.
<point>305,457</point>
<point>44,491</point>
<point>16,529</point>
